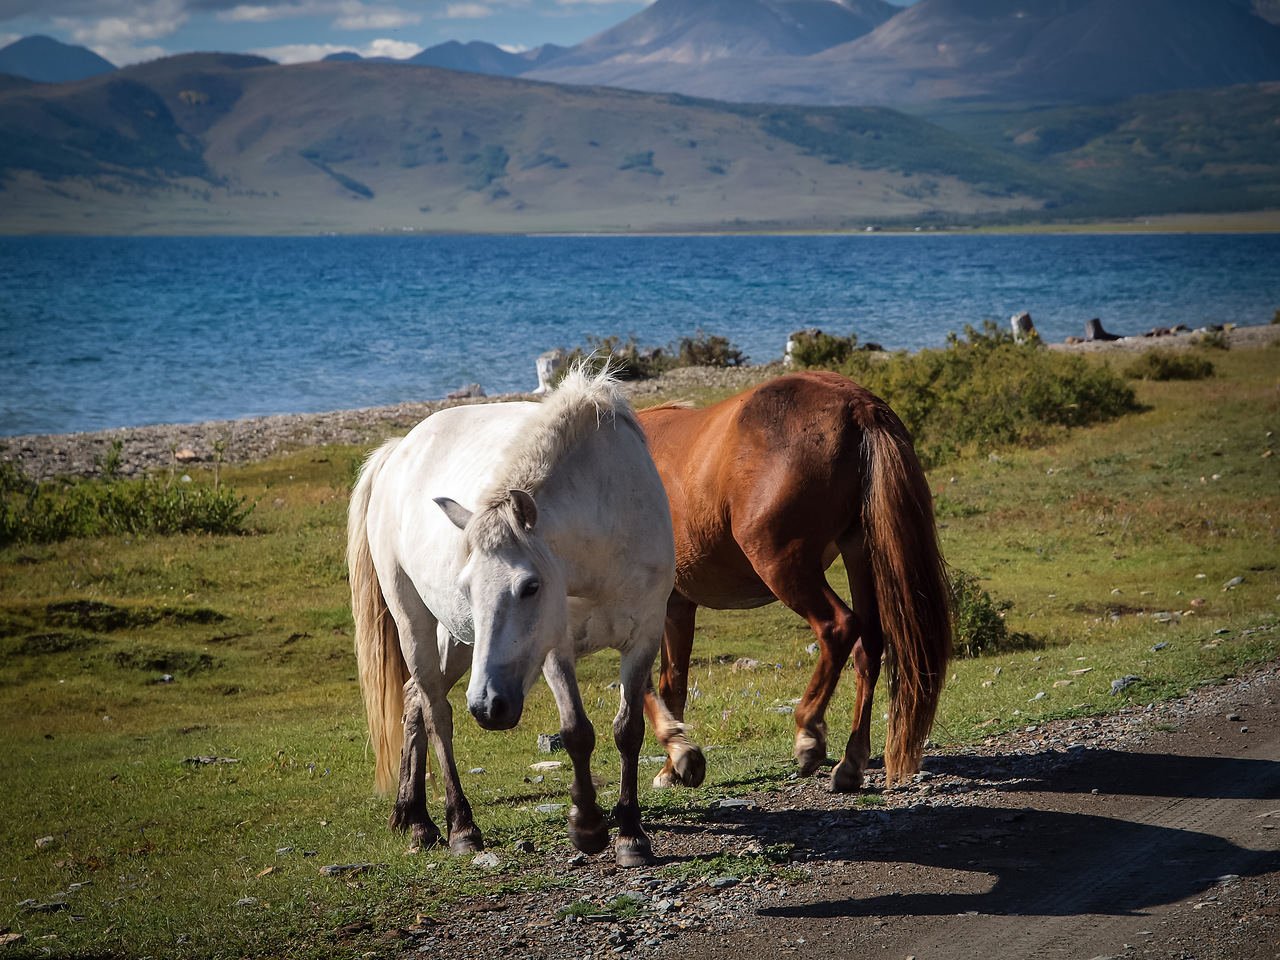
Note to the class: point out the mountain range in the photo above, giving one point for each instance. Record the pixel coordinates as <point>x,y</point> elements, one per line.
<point>868,51</point>
<point>231,143</point>
<point>845,52</point>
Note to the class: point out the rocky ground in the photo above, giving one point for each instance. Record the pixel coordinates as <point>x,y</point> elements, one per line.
<point>255,438</point>
<point>1152,833</point>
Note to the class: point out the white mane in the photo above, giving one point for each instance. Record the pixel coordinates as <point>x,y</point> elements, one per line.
<point>581,402</point>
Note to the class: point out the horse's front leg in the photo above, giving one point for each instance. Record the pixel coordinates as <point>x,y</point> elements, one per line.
<point>455,660</point>
<point>633,848</point>
<point>587,828</point>
<point>685,761</point>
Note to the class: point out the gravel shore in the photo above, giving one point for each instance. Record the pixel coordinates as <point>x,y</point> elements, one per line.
<point>256,438</point>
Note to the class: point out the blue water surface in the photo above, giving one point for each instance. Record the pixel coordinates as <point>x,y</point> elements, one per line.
<point>107,332</point>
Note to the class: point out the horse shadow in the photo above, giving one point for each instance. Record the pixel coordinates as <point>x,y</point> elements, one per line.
<point>1039,862</point>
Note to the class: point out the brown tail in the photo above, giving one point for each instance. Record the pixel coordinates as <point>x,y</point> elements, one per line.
<point>382,669</point>
<point>911,588</point>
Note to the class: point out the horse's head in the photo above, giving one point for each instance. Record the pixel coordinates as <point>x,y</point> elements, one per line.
<point>516,590</point>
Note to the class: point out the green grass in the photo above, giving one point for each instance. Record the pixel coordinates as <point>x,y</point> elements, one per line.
<point>255,631</point>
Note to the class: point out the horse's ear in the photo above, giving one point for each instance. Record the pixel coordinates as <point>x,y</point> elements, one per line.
<point>526,509</point>
<point>456,512</point>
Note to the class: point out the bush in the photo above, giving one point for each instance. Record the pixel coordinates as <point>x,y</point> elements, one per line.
<point>987,390</point>
<point>630,361</point>
<point>1159,365</point>
<point>32,512</point>
<point>823,350</point>
<point>707,350</point>
<point>979,621</point>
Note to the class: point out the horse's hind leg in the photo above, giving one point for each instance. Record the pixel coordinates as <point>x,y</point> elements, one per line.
<point>847,776</point>
<point>799,582</point>
<point>423,651</point>
<point>685,761</point>
<point>410,810</point>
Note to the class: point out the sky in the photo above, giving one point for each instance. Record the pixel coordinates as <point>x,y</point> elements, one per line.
<point>291,31</point>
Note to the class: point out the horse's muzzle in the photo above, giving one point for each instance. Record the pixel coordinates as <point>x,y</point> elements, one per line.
<point>496,712</point>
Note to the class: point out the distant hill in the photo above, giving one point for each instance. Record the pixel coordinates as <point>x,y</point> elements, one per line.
<point>473,57</point>
<point>1192,150</point>
<point>49,61</point>
<point>207,142</point>
<point>1061,50</point>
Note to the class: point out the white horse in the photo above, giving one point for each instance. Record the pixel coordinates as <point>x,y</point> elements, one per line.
<point>565,549</point>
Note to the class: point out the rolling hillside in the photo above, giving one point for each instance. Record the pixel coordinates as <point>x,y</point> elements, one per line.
<point>221,143</point>
<point>49,61</point>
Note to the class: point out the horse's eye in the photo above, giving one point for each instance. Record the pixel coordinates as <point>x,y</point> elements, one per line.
<point>529,588</point>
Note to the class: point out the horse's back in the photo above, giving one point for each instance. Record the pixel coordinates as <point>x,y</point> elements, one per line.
<point>780,462</point>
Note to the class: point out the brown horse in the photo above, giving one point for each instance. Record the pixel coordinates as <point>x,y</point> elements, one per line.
<point>766,489</point>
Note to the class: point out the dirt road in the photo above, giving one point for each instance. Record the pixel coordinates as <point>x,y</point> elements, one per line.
<point>1150,834</point>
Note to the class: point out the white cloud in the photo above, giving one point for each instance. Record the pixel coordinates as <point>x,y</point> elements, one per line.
<point>599,3</point>
<point>348,14</point>
<point>465,11</point>
<point>309,52</point>
<point>116,37</point>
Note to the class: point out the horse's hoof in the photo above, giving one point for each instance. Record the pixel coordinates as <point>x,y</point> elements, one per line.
<point>635,852</point>
<point>424,836</point>
<point>590,837</point>
<point>666,778</point>
<point>691,767</point>
<point>811,752</point>
<point>465,842</point>
<point>845,778</point>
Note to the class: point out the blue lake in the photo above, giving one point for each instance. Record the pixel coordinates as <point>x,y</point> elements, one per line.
<point>107,332</point>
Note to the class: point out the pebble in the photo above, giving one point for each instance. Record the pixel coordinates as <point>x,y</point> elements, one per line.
<point>487,860</point>
<point>43,842</point>
<point>549,808</point>
<point>476,770</point>
<point>545,766</point>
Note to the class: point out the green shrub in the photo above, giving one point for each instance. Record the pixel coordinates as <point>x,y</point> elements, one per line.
<point>628,360</point>
<point>823,350</point>
<point>631,361</point>
<point>1275,317</point>
<point>1213,340</point>
<point>987,391</point>
<point>32,512</point>
<point>708,350</point>
<point>1160,365</point>
<point>979,621</point>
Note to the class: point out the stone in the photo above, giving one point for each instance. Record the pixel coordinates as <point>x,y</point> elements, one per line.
<point>722,883</point>
<point>548,365</point>
<point>548,808</point>
<point>471,390</point>
<point>546,766</point>
<point>1159,646</point>
<point>1023,329</point>
<point>549,742</point>
<point>729,803</point>
<point>476,770</point>
<point>1093,331</point>
<point>487,860</point>
<point>186,455</point>
<point>246,901</point>
<point>745,663</point>
<point>523,846</point>
<point>1127,680</point>
<point>43,842</point>
<point>345,869</point>
<point>1233,583</point>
